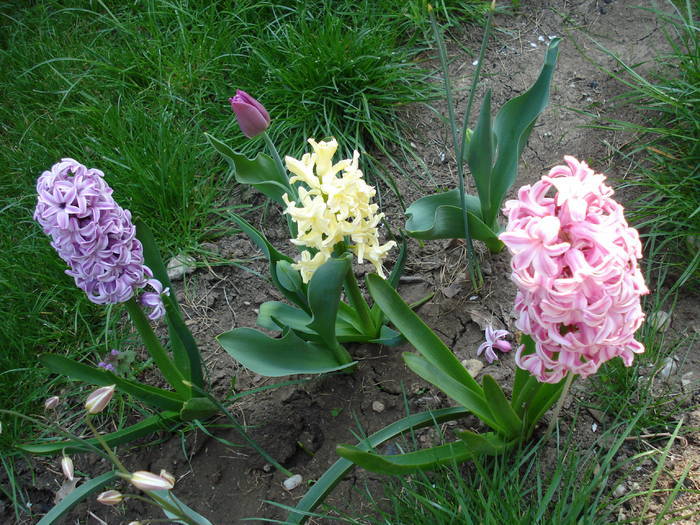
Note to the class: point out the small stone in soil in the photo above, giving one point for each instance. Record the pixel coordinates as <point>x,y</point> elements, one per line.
<point>473,366</point>
<point>619,490</point>
<point>378,406</point>
<point>687,381</point>
<point>179,266</point>
<point>670,367</point>
<point>292,482</point>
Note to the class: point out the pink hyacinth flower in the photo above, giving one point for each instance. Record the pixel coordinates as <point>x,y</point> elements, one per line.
<point>575,262</point>
<point>494,341</point>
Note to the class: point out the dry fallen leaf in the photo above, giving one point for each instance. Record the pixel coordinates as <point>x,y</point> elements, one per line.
<point>67,487</point>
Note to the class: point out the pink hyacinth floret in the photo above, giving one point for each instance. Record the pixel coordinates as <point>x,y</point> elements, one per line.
<point>494,341</point>
<point>93,235</point>
<point>575,264</point>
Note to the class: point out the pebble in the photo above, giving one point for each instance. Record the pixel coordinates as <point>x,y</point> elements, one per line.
<point>179,266</point>
<point>687,382</point>
<point>620,490</point>
<point>669,367</point>
<point>292,482</point>
<point>378,406</point>
<point>473,366</point>
<point>659,320</point>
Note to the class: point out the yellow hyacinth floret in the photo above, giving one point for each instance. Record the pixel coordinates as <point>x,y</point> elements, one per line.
<point>334,205</point>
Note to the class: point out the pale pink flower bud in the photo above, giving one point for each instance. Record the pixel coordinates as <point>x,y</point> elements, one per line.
<point>145,480</point>
<point>168,476</point>
<point>110,497</point>
<point>51,403</point>
<point>97,401</point>
<point>67,468</point>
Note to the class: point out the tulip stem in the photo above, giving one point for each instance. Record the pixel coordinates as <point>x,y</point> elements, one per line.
<point>280,166</point>
<point>112,456</point>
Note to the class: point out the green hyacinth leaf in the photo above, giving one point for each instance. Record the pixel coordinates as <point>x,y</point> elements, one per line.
<point>271,357</point>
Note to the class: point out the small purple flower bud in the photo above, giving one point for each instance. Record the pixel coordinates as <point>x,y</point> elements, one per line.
<point>115,352</point>
<point>252,116</point>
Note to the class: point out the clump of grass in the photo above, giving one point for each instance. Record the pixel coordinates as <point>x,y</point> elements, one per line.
<point>568,485</point>
<point>667,146</point>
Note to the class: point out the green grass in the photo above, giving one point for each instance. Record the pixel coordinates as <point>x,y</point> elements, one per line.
<point>666,149</point>
<point>571,484</point>
<point>130,88</point>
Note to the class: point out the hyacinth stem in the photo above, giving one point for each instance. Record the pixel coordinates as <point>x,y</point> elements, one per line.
<point>458,142</point>
<point>358,302</point>
<point>559,405</point>
<point>155,349</point>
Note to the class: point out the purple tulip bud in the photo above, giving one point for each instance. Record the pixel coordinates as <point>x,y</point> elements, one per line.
<point>252,116</point>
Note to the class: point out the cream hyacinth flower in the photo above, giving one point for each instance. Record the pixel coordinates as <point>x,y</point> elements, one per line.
<point>334,206</point>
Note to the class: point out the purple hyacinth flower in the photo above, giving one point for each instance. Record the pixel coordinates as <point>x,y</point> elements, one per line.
<point>153,299</point>
<point>91,232</point>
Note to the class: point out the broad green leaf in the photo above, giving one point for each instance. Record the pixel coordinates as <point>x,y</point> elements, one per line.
<point>546,395</point>
<point>149,425</point>
<point>198,408</point>
<point>418,333</point>
<point>439,216</point>
<point>331,477</point>
<point>289,278</point>
<point>472,401</point>
<point>524,383</point>
<point>278,357</point>
<point>488,444</point>
<point>512,127</point>
<point>500,408</point>
<point>260,172</point>
<point>273,256</point>
<point>77,496</point>
<point>325,288</point>
<point>194,516</point>
<point>426,459</point>
<point>388,337</point>
<point>155,397</point>
<point>480,157</point>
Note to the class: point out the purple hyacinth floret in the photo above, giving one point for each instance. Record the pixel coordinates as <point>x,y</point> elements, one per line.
<point>92,234</point>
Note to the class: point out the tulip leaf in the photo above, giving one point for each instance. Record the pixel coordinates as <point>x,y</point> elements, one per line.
<point>261,172</point>
<point>418,333</point>
<point>155,397</point>
<point>439,216</point>
<point>331,477</point>
<point>472,401</point>
<point>194,517</point>
<point>388,337</point>
<point>426,459</point>
<point>273,256</point>
<point>500,407</point>
<point>324,291</point>
<point>512,127</point>
<point>149,425</point>
<point>270,357</point>
<point>77,496</point>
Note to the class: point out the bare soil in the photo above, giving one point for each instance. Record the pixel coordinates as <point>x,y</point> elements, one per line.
<point>300,425</point>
